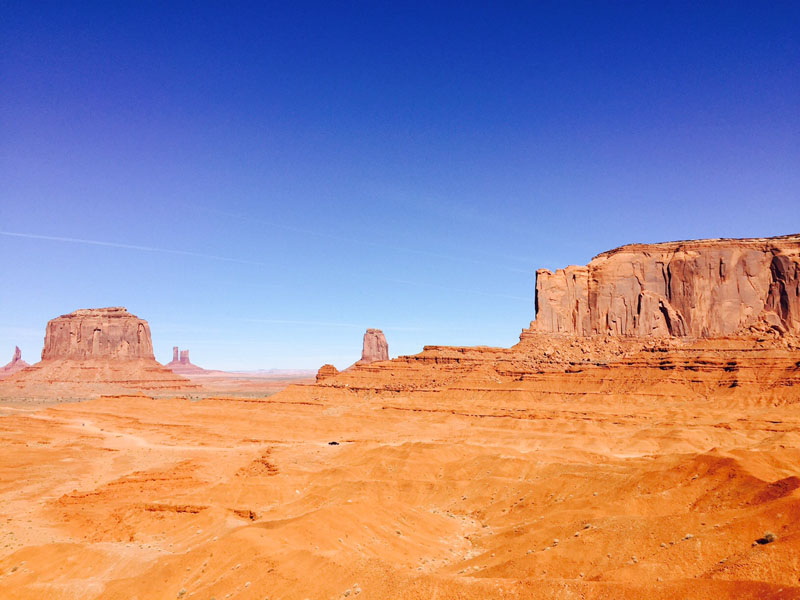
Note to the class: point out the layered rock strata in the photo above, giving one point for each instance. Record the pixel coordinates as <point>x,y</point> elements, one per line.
<point>16,364</point>
<point>326,371</point>
<point>700,289</point>
<point>92,352</point>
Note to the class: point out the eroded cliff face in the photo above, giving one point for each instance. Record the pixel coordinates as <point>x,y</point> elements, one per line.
<point>703,288</point>
<point>98,333</point>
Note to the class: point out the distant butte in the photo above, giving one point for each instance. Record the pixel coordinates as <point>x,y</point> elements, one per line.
<point>181,364</point>
<point>92,352</point>
<point>374,349</point>
<point>16,364</point>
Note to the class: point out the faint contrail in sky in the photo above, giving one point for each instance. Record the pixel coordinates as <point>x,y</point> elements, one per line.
<point>456,289</point>
<point>55,238</point>
<point>312,323</point>
<point>328,324</point>
<point>360,242</point>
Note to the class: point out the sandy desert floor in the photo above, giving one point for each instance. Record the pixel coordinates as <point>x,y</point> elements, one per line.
<point>480,495</point>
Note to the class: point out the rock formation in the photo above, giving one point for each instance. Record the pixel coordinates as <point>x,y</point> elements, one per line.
<point>326,371</point>
<point>699,289</point>
<point>92,352</point>
<point>182,365</point>
<point>16,364</point>
<point>107,333</point>
<point>375,347</point>
<point>721,315</point>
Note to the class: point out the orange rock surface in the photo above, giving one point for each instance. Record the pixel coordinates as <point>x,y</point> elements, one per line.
<point>702,288</point>
<point>598,467</point>
<point>326,371</point>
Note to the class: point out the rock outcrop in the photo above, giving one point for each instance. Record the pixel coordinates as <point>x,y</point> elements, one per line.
<point>697,289</point>
<point>93,352</point>
<point>182,365</point>
<point>16,364</point>
<point>711,318</point>
<point>375,347</point>
<point>98,333</point>
<point>326,371</point>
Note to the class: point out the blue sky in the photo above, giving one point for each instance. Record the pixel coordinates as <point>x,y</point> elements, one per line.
<point>264,181</point>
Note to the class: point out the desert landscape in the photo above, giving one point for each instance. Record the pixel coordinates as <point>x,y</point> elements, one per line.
<point>400,300</point>
<point>642,440</point>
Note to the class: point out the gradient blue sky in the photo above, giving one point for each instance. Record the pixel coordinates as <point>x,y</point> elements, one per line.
<point>264,181</point>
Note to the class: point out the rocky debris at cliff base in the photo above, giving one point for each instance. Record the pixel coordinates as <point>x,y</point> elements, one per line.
<point>16,364</point>
<point>375,347</point>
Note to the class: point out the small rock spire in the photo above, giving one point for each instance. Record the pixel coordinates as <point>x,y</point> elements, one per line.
<point>375,347</point>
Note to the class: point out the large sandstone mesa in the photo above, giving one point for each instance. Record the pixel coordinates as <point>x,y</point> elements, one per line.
<point>16,364</point>
<point>375,347</point>
<point>699,289</point>
<point>92,352</point>
<point>107,333</point>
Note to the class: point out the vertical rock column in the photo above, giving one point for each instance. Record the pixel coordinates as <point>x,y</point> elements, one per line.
<point>375,347</point>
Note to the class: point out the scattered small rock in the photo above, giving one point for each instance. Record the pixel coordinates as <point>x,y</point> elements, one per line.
<point>767,538</point>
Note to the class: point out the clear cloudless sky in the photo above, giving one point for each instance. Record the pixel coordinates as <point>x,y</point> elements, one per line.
<point>263,181</point>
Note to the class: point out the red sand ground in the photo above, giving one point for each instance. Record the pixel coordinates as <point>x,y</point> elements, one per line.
<point>459,473</point>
